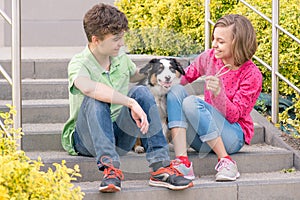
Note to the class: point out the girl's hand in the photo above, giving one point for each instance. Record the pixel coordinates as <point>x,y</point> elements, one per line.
<point>213,85</point>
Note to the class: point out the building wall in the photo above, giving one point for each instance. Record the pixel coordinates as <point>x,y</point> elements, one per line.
<point>48,22</point>
<point>1,25</point>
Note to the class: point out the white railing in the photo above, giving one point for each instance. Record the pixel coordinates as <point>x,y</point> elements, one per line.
<point>15,81</point>
<point>275,38</point>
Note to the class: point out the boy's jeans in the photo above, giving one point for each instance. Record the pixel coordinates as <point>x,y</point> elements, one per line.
<point>96,135</point>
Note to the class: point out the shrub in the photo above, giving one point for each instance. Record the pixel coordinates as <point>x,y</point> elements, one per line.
<point>21,178</point>
<point>164,27</point>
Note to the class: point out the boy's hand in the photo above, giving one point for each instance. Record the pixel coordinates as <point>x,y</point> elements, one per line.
<point>138,115</point>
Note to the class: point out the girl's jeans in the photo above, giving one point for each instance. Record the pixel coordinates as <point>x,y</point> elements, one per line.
<point>202,122</point>
<point>96,135</point>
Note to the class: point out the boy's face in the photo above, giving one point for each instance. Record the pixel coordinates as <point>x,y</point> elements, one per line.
<point>111,44</point>
<point>222,42</point>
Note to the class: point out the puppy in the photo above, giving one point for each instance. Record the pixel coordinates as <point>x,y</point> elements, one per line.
<point>160,75</point>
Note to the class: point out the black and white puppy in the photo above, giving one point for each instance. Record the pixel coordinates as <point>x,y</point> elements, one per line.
<point>161,74</point>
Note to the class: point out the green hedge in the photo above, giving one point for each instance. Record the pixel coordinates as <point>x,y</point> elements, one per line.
<point>164,27</point>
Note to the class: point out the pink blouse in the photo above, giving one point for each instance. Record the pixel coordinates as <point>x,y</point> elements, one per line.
<point>239,89</point>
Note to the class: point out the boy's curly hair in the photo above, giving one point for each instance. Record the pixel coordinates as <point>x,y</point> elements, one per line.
<point>103,19</point>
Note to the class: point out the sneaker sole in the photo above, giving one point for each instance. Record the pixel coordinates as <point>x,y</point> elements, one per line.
<point>226,178</point>
<point>169,186</point>
<point>110,188</point>
<point>190,177</point>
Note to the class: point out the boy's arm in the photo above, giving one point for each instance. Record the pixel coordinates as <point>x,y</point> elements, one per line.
<point>100,91</point>
<point>104,93</point>
<point>137,76</point>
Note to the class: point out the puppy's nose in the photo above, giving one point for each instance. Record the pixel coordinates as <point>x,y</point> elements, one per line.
<point>168,78</point>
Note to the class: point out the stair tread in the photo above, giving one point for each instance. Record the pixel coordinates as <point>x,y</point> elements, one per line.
<point>39,102</point>
<point>267,186</point>
<point>204,181</point>
<point>34,128</point>
<point>39,80</point>
<point>49,128</point>
<point>55,53</point>
<point>247,150</point>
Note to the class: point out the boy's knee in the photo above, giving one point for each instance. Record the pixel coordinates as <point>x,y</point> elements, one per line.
<point>141,92</point>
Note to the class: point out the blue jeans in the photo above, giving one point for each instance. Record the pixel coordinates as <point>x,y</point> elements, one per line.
<point>96,135</point>
<point>202,122</point>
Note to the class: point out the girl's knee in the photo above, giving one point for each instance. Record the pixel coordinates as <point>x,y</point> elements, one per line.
<point>177,89</point>
<point>190,104</point>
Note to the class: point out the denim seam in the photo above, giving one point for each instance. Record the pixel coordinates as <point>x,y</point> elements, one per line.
<point>209,136</point>
<point>177,124</point>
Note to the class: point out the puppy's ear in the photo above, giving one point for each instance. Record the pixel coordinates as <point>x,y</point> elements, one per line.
<point>148,67</point>
<point>178,66</point>
<point>154,60</point>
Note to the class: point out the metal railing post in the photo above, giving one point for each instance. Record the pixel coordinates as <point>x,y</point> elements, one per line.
<point>207,24</point>
<point>275,39</point>
<point>16,63</point>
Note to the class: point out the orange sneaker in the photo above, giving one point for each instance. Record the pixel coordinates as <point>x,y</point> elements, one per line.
<point>169,177</point>
<point>111,181</point>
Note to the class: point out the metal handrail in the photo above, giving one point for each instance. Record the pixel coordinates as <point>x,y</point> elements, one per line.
<point>275,38</point>
<point>15,81</point>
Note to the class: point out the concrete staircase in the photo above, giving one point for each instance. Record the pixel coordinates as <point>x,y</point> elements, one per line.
<point>45,109</point>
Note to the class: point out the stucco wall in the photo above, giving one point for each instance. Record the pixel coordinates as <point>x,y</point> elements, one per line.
<point>48,22</point>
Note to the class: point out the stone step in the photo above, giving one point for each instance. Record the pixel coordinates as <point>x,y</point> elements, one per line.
<point>266,186</point>
<point>255,158</point>
<point>42,137</point>
<point>52,62</point>
<point>47,136</point>
<point>39,109</point>
<point>42,110</point>
<point>58,89</point>
<point>37,89</point>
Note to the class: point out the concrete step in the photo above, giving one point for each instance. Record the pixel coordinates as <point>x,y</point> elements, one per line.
<point>52,62</point>
<point>46,110</point>
<point>42,137</point>
<point>47,136</point>
<point>37,89</point>
<point>256,158</point>
<point>266,186</point>
<point>58,89</point>
<point>42,110</point>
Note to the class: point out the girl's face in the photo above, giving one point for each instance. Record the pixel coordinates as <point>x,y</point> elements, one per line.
<point>222,43</point>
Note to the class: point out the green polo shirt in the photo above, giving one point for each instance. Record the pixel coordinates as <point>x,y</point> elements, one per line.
<point>85,64</point>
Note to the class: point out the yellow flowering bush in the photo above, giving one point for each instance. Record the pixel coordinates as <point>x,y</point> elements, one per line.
<point>164,27</point>
<point>21,178</point>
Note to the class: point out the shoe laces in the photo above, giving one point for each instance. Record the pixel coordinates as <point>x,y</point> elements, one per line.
<point>110,171</point>
<point>172,170</point>
<point>223,163</point>
<point>176,162</point>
